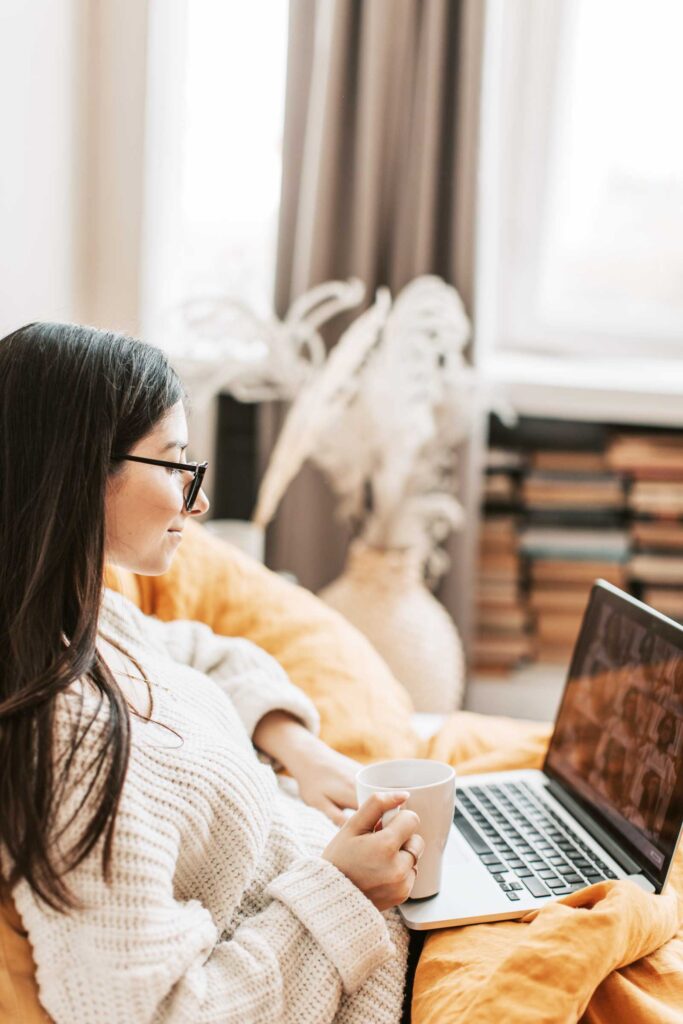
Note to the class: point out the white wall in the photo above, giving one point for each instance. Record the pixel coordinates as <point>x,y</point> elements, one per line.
<point>39,159</point>
<point>72,116</point>
<point>115,77</point>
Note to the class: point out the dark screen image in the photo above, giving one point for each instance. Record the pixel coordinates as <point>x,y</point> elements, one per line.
<point>619,735</point>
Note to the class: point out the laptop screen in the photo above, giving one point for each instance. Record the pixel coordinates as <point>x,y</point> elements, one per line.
<point>618,739</point>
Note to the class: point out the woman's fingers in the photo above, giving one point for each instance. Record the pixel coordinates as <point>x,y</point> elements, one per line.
<point>411,882</point>
<point>335,814</point>
<point>369,813</point>
<point>402,827</point>
<point>331,810</point>
<point>381,864</point>
<point>350,799</point>
<point>401,889</point>
<point>414,846</point>
<point>342,794</point>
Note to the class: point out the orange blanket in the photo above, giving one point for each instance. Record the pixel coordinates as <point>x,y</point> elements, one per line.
<point>610,954</point>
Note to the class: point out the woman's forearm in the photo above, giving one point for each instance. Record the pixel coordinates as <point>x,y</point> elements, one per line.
<point>282,737</point>
<point>326,779</point>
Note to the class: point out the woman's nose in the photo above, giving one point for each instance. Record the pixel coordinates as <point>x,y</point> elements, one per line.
<point>201,505</point>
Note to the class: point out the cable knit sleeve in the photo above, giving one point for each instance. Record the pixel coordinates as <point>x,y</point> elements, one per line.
<point>137,950</point>
<point>139,955</point>
<point>253,680</point>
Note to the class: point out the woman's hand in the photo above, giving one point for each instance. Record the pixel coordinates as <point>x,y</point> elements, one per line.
<point>382,864</point>
<point>326,779</point>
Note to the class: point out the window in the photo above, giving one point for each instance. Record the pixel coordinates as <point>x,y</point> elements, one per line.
<point>582,168</point>
<point>216,90</point>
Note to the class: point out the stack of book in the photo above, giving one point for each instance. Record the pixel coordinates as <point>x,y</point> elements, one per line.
<point>565,504</point>
<point>653,464</point>
<point>569,481</point>
<point>503,639</point>
<point>501,481</point>
<point>563,562</point>
<point>574,506</point>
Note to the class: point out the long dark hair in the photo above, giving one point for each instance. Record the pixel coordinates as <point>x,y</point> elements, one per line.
<point>70,397</point>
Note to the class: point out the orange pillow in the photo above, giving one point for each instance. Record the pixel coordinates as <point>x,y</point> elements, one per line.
<point>365,713</point>
<point>18,989</point>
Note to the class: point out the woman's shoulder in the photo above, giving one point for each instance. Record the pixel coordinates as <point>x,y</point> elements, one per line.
<point>122,619</point>
<point>82,720</point>
<point>121,612</point>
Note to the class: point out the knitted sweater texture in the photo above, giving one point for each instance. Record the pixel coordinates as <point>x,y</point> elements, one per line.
<point>220,908</point>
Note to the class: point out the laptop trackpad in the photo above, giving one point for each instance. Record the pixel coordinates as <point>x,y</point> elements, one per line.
<point>458,850</point>
<point>467,891</point>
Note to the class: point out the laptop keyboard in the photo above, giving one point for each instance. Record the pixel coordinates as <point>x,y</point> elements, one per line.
<point>523,843</point>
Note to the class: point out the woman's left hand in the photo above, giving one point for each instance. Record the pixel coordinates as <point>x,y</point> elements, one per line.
<point>326,779</point>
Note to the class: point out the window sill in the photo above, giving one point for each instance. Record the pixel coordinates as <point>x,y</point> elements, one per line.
<point>648,391</point>
<point>532,692</point>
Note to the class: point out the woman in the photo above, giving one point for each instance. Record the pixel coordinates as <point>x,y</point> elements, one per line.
<point>160,870</point>
<point>649,798</point>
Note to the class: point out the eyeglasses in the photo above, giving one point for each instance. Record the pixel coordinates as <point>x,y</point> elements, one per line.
<point>198,469</point>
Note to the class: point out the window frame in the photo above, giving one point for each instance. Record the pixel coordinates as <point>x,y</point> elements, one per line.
<point>521,77</point>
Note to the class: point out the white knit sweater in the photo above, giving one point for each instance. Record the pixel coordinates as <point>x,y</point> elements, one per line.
<point>220,907</point>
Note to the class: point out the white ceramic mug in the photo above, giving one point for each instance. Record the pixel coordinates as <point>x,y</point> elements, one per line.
<point>431,789</point>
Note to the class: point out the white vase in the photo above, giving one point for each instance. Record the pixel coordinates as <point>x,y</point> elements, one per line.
<point>381,592</point>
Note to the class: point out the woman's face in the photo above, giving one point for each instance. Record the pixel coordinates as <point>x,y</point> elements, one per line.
<point>651,789</point>
<point>614,761</point>
<point>666,731</point>
<point>145,510</point>
<point>631,707</point>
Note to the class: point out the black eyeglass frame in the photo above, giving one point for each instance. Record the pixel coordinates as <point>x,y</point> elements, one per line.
<point>197,468</point>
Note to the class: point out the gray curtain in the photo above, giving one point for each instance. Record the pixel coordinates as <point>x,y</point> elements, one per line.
<point>380,142</point>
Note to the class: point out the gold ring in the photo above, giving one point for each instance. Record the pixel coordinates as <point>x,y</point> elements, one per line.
<point>413,855</point>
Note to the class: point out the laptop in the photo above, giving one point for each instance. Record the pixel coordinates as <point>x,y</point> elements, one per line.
<point>608,802</point>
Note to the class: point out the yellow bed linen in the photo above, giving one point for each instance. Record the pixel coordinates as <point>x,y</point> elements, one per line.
<point>364,712</point>
<point>610,954</point>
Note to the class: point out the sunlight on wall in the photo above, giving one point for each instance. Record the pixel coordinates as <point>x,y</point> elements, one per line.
<point>235,83</point>
<point>614,219</point>
<point>38,182</point>
<point>215,110</point>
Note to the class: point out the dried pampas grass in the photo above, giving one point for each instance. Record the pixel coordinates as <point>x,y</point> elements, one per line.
<point>382,419</point>
<point>221,345</point>
<point>320,404</point>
